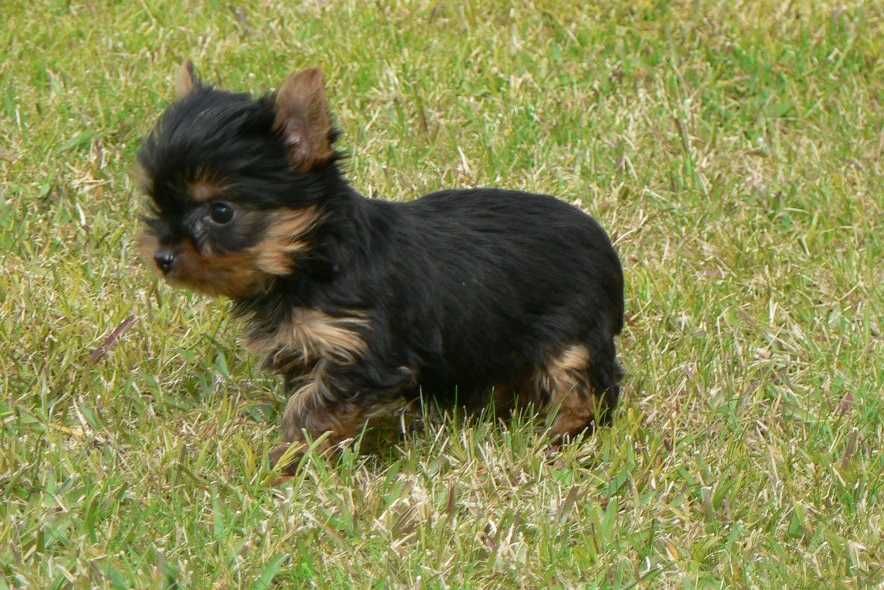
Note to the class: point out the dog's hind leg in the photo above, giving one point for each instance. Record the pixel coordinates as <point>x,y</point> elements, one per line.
<point>578,390</point>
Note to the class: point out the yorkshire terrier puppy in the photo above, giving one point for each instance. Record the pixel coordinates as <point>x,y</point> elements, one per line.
<point>363,306</point>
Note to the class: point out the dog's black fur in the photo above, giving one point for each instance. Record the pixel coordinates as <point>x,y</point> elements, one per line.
<point>366,304</point>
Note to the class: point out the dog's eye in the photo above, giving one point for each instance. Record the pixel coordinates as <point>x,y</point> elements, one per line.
<point>221,213</point>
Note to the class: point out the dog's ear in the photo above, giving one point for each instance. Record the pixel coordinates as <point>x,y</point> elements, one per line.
<point>303,119</point>
<point>185,81</point>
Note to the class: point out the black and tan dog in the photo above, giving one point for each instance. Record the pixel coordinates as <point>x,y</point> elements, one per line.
<point>363,305</point>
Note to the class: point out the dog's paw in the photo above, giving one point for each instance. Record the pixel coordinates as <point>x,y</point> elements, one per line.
<point>284,462</point>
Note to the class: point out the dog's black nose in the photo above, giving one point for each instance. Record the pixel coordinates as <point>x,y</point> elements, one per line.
<point>164,259</point>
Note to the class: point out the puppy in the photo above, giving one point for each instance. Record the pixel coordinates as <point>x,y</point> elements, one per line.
<point>363,305</point>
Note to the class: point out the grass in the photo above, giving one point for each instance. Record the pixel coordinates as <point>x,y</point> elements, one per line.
<point>734,151</point>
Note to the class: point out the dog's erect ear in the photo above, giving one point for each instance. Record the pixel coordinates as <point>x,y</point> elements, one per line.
<point>185,81</point>
<point>303,119</point>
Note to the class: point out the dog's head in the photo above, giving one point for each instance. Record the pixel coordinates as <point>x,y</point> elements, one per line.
<point>234,183</point>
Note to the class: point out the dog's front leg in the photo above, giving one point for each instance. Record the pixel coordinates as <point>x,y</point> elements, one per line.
<point>325,406</point>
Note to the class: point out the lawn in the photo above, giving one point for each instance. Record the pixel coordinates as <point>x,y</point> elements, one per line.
<point>732,149</point>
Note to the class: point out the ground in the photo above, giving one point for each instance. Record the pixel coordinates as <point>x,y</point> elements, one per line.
<point>732,149</point>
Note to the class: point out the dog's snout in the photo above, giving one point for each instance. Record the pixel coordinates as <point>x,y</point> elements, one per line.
<point>165,260</point>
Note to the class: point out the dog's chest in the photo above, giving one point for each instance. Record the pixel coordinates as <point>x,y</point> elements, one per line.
<point>307,337</point>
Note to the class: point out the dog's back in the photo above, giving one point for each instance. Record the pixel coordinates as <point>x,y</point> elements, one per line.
<point>510,280</point>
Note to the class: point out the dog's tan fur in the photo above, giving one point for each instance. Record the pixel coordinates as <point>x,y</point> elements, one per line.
<point>234,275</point>
<point>247,272</point>
<point>284,238</point>
<point>565,380</point>
<point>311,336</point>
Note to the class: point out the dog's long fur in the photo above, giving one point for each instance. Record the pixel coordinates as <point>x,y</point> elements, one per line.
<point>363,305</point>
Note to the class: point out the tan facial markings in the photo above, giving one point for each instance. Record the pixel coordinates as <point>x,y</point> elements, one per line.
<point>283,239</point>
<point>203,190</point>
<point>244,273</point>
<point>233,275</point>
